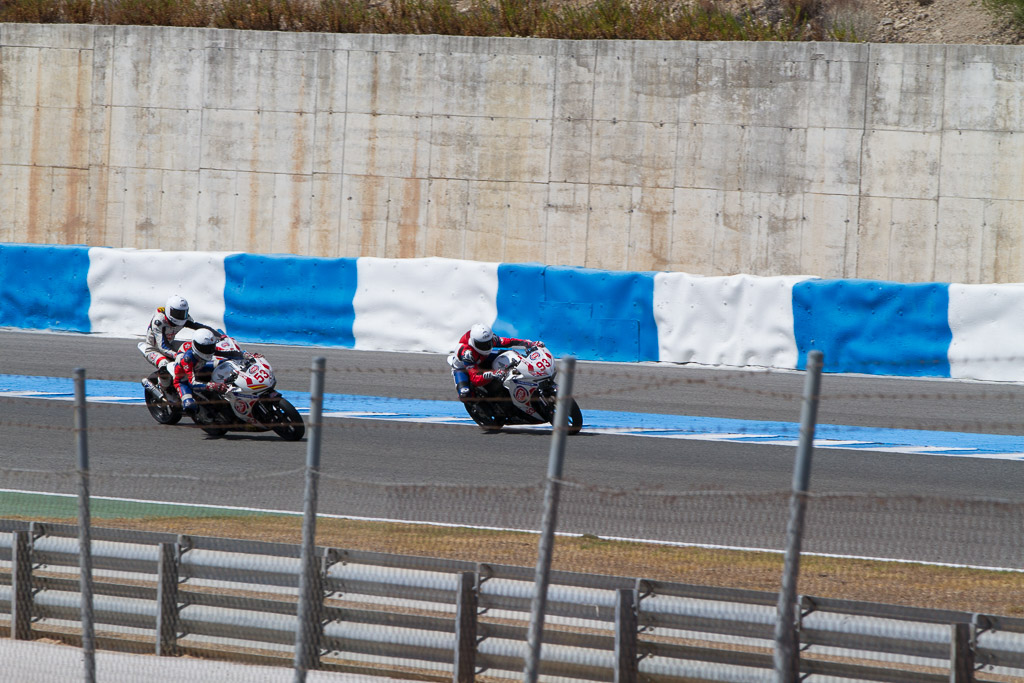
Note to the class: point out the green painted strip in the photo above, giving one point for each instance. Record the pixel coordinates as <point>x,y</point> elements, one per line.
<point>43,505</point>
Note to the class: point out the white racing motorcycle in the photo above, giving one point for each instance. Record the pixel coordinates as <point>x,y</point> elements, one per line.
<point>528,395</point>
<point>250,404</point>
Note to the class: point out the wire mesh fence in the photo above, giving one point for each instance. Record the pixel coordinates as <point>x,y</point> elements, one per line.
<point>682,487</point>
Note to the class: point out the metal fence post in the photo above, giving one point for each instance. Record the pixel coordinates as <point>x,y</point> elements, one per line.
<point>787,651</point>
<point>167,616</point>
<point>566,370</point>
<point>309,629</point>
<point>465,629</point>
<point>626,625</point>
<point>21,587</point>
<point>84,535</point>
<point>961,655</point>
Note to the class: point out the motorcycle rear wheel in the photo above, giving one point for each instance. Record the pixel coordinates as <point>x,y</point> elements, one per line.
<point>163,411</point>
<point>287,423</point>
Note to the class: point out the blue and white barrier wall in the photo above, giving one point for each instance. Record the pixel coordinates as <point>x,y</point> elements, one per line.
<point>863,326</point>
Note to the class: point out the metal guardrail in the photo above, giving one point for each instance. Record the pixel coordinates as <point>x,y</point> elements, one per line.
<point>599,628</point>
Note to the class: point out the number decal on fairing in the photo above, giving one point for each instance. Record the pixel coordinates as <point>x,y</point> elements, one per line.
<point>258,376</point>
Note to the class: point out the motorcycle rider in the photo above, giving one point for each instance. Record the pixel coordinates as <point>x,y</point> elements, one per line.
<point>472,362</point>
<point>167,322</point>
<point>194,361</point>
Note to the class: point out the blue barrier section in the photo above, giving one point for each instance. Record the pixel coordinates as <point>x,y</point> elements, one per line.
<point>290,299</point>
<point>879,328</point>
<point>520,292</point>
<point>44,287</point>
<point>592,314</point>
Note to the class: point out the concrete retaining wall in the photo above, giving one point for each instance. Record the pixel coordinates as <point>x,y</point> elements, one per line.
<point>895,162</point>
<point>876,327</point>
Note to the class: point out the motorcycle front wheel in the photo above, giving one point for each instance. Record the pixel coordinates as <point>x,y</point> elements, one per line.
<point>286,421</point>
<point>162,410</point>
<point>575,418</point>
<point>547,410</point>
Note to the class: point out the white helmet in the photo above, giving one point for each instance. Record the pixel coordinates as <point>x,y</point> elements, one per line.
<point>481,338</point>
<point>204,344</point>
<point>176,310</point>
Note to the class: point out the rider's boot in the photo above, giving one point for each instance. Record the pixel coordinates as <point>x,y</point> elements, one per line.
<point>164,375</point>
<point>465,393</point>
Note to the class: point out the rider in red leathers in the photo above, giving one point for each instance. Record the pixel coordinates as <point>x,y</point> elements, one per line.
<point>194,361</point>
<point>471,364</point>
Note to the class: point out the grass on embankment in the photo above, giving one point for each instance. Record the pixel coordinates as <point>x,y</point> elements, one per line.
<point>970,590</point>
<point>565,19</point>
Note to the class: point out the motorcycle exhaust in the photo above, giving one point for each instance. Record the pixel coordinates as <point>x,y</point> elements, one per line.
<point>152,389</point>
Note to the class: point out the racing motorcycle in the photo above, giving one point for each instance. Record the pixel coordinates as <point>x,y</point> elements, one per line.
<point>250,403</point>
<point>527,392</point>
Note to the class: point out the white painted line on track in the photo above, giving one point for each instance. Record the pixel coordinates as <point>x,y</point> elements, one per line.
<point>448,525</point>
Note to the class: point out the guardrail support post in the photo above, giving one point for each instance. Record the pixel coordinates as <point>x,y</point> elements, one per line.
<point>309,629</point>
<point>21,587</point>
<point>787,640</point>
<point>84,530</point>
<point>961,655</point>
<point>626,625</point>
<point>167,617</point>
<point>546,545</point>
<point>465,629</point>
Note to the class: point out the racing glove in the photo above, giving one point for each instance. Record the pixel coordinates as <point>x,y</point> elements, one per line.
<point>217,387</point>
<point>538,344</point>
<point>189,406</point>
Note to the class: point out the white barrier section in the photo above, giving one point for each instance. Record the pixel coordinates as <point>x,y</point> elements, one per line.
<point>127,285</point>
<point>988,332</point>
<point>421,304</point>
<point>737,320</point>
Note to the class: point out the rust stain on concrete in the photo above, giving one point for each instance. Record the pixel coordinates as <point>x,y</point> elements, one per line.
<point>368,219</point>
<point>38,200</point>
<point>409,218</point>
<point>295,225</point>
<point>73,225</point>
<point>409,214</point>
<point>372,184</point>
<point>253,222</point>
<point>72,229</point>
<point>300,152</point>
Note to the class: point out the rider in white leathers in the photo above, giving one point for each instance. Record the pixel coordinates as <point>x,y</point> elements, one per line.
<point>167,322</point>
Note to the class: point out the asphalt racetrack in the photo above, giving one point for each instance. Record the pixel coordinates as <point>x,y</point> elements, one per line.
<point>946,487</point>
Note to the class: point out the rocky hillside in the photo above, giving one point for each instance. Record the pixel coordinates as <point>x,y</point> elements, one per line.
<point>905,21</point>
